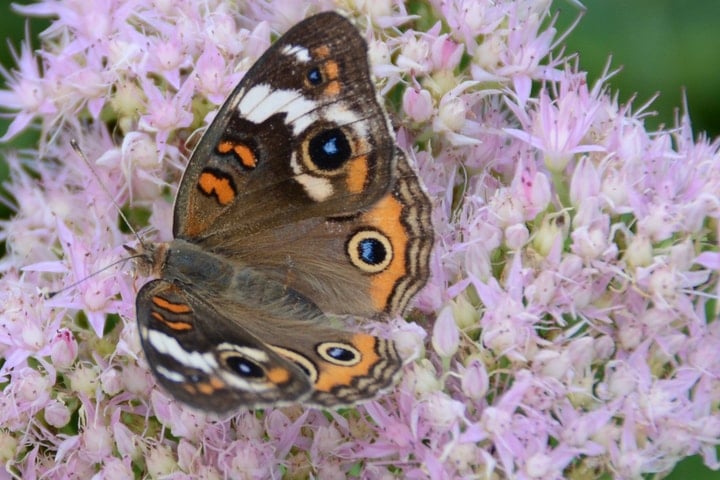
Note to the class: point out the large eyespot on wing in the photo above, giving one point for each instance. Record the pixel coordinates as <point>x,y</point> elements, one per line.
<point>208,361</point>
<point>345,368</point>
<point>335,161</point>
<point>392,242</point>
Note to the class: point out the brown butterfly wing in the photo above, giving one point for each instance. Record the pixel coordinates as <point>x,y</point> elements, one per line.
<point>301,136</point>
<point>255,357</point>
<point>207,360</point>
<point>298,191</point>
<point>371,262</point>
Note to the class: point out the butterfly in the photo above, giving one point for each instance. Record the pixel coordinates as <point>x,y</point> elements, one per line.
<point>296,205</point>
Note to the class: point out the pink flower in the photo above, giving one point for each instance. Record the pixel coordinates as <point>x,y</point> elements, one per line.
<point>417,104</point>
<point>64,349</point>
<point>445,53</point>
<point>166,112</point>
<point>445,338</point>
<point>26,92</point>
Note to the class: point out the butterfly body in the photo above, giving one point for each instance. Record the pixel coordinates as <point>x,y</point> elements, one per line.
<point>296,205</point>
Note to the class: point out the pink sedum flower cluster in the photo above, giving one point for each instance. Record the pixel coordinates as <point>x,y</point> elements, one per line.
<point>569,327</point>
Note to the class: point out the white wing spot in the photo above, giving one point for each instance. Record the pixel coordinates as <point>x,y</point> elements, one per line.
<point>167,345</point>
<point>301,54</point>
<point>254,353</point>
<point>252,98</point>
<point>345,117</point>
<point>261,102</point>
<point>317,188</point>
<point>169,374</point>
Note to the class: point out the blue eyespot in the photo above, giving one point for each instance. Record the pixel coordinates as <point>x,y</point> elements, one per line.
<point>341,354</point>
<point>244,367</point>
<point>371,251</point>
<point>314,76</point>
<point>329,149</point>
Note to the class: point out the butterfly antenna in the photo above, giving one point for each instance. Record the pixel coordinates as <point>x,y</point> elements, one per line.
<point>106,267</point>
<point>78,150</point>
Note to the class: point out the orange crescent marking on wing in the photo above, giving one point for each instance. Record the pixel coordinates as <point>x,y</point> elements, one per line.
<point>211,386</point>
<point>278,375</point>
<point>179,326</point>
<point>331,70</point>
<point>171,307</point>
<point>385,216</point>
<point>332,89</point>
<point>331,376</point>
<point>220,187</point>
<point>225,147</point>
<point>205,388</point>
<point>244,153</point>
<point>247,157</point>
<point>357,174</point>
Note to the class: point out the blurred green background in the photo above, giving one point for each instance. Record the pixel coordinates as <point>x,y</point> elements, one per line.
<point>663,46</point>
